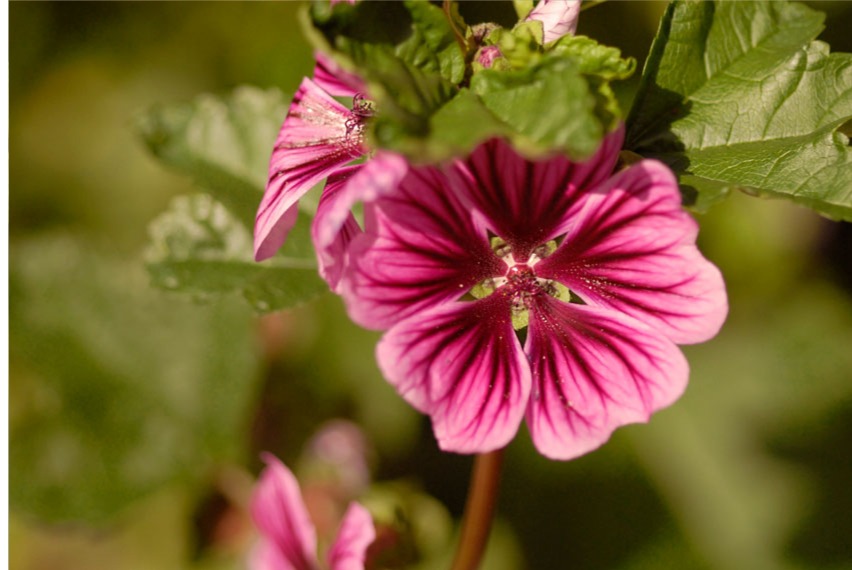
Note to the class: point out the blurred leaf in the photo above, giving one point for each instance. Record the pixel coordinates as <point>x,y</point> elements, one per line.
<point>197,246</point>
<point>461,124</point>
<point>738,95</point>
<point>414,530</point>
<point>433,32</point>
<point>224,144</point>
<point>405,95</point>
<point>766,373</point>
<point>549,105</point>
<point>130,390</point>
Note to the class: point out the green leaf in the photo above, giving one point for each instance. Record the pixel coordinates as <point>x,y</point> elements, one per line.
<point>222,143</point>
<point>593,58</point>
<point>457,127</point>
<point>420,84</point>
<point>405,95</point>
<point>198,247</point>
<point>738,95</point>
<point>432,30</point>
<point>549,106</point>
<point>523,8</point>
<point>119,389</point>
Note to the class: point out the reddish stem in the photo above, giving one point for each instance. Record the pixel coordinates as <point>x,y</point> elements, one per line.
<point>479,510</point>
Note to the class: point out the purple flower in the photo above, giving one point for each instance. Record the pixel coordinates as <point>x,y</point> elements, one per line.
<point>558,17</point>
<point>547,290</point>
<point>289,540</point>
<point>319,137</point>
<point>334,227</point>
<point>335,80</point>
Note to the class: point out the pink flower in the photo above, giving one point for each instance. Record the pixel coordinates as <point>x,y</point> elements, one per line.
<point>547,290</point>
<point>487,55</point>
<point>335,80</point>
<point>558,17</point>
<point>318,137</point>
<point>289,540</point>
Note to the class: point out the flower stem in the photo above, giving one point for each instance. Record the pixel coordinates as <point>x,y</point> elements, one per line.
<point>479,510</point>
<point>447,6</point>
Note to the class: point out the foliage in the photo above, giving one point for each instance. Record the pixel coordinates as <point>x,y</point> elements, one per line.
<point>430,107</point>
<point>130,390</point>
<point>121,394</point>
<point>203,244</point>
<point>738,95</point>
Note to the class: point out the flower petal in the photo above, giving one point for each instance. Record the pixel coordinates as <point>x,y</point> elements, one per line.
<point>318,136</point>
<point>356,534</point>
<point>266,556</point>
<point>334,226</point>
<point>280,514</point>
<point>594,370</point>
<point>558,17</point>
<point>420,249</point>
<point>632,248</point>
<point>463,365</point>
<point>525,202</point>
<point>336,81</point>
<point>332,255</point>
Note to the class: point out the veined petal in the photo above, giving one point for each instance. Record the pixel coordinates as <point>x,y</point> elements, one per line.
<point>332,255</point>
<point>558,17</point>
<point>356,534</point>
<point>462,364</point>
<point>525,202</point>
<point>334,226</point>
<point>280,514</point>
<point>594,370</point>
<point>335,80</point>
<point>632,248</point>
<point>318,136</point>
<point>420,249</point>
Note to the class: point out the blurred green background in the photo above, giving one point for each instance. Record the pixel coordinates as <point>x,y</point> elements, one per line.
<point>137,416</point>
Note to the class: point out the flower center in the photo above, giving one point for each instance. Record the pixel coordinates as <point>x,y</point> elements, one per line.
<point>522,287</point>
<point>519,283</point>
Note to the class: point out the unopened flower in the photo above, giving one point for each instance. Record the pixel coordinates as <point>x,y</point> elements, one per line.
<point>548,290</point>
<point>558,17</point>
<point>487,55</point>
<point>289,540</point>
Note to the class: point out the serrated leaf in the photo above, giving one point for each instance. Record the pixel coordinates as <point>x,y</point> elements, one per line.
<point>548,105</point>
<point>737,95</point>
<point>120,390</point>
<point>222,143</point>
<point>593,58</point>
<point>198,247</point>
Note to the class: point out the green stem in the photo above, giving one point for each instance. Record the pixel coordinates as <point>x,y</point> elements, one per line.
<point>448,12</point>
<point>479,510</point>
